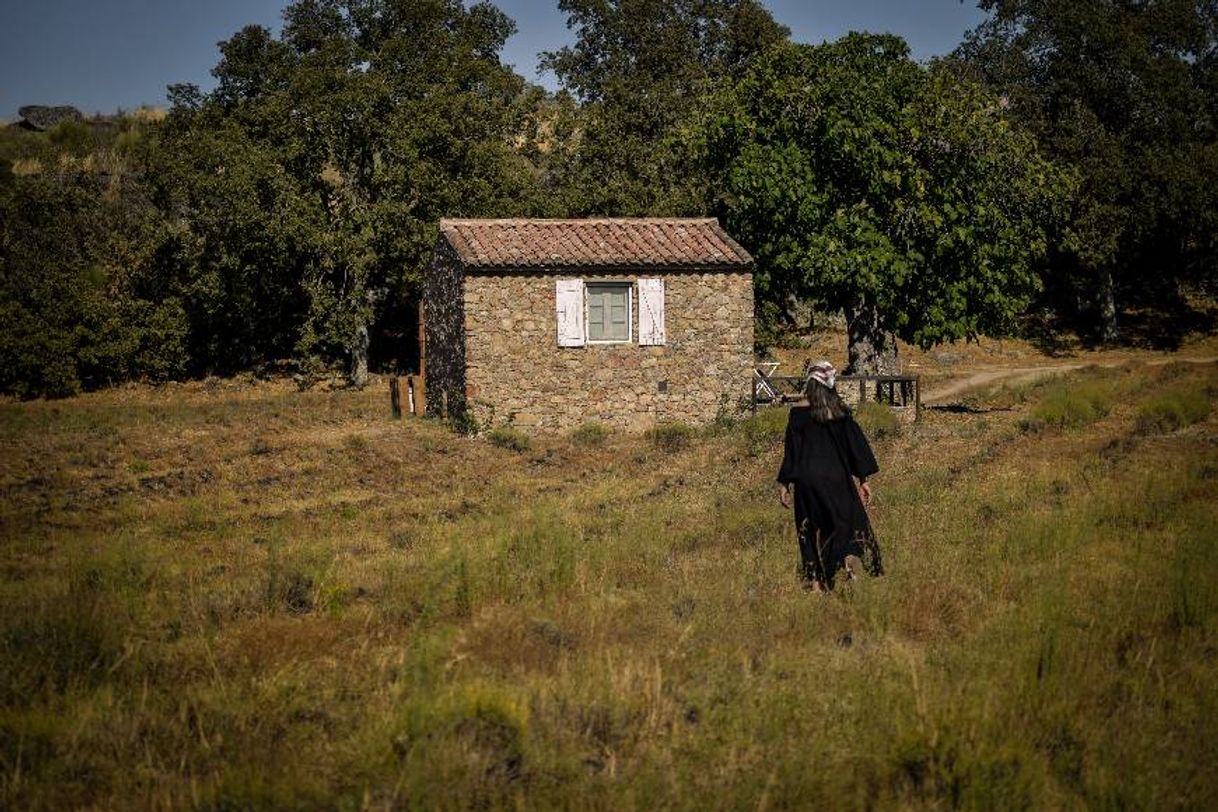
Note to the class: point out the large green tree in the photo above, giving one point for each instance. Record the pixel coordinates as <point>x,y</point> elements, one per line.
<point>1125,92</point>
<point>862,181</point>
<point>310,180</point>
<point>638,69</point>
<point>79,304</point>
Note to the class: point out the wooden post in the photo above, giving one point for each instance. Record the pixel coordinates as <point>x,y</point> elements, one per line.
<point>410,394</point>
<point>421,396</point>
<point>917,398</point>
<point>395,398</point>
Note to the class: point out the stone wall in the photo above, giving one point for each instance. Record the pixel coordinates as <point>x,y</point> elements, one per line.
<point>444,334</point>
<point>517,374</point>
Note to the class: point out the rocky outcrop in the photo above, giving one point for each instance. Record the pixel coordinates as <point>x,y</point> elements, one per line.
<point>41,117</point>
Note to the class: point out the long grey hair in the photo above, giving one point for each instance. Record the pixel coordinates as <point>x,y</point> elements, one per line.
<point>824,403</point>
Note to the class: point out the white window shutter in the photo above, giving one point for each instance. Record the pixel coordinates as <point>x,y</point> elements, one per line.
<point>651,312</point>
<point>569,305</point>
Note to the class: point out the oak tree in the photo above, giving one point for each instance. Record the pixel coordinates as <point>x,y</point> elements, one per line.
<point>863,182</point>
<point>1124,92</point>
<point>638,68</point>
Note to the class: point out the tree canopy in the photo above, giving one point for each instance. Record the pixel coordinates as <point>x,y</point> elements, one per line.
<point>1124,92</point>
<point>862,181</point>
<point>341,144</point>
<point>639,68</point>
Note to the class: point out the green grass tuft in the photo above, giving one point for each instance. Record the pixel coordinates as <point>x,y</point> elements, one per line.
<point>590,434</point>
<point>1072,405</point>
<point>877,420</point>
<point>1172,410</point>
<point>764,430</point>
<point>509,438</point>
<point>670,437</point>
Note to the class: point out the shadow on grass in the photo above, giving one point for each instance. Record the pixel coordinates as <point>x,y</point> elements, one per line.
<point>967,408</point>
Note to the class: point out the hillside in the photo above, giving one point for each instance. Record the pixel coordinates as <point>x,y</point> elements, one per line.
<point>239,596</point>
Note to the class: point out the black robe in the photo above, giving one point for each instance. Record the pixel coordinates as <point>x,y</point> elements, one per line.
<point>820,459</point>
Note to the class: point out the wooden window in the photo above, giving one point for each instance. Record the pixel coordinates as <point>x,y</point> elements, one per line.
<point>608,308</point>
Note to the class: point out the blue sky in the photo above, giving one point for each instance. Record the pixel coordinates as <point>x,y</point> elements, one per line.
<point>101,55</point>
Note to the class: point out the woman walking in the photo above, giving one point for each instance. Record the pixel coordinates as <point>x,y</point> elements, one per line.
<point>825,466</point>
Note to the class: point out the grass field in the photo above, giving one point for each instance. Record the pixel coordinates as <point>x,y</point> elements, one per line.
<point>237,597</point>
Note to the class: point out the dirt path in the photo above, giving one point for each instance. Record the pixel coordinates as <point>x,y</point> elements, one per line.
<point>981,378</point>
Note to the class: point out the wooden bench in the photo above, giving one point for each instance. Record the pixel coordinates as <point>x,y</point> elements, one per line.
<point>898,391</point>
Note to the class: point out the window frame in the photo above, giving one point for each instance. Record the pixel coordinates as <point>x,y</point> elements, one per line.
<point>609,283</point>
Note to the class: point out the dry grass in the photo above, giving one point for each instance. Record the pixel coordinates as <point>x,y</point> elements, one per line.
<point>245,596</point>
<point>148,115</point>
<point>27,166</point>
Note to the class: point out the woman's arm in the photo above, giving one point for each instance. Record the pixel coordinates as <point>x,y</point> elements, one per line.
<point>858,451</point>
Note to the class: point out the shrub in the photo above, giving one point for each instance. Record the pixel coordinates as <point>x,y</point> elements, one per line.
<point>877,420</point>
<point>764,429</point>
<point>1172,410</point>
<point>82,321</point>
<point>670,437</point>
<point>464,422</point>
<point>1069,406</point>
<point>509,438</point>
<point>590,434</point>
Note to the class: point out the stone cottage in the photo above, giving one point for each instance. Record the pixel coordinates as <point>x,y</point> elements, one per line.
<point>554,323</point>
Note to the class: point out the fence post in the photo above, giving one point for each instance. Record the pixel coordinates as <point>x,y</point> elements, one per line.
<point>395,397</point>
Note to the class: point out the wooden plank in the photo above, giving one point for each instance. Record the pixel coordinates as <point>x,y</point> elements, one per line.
<point>651,312</point>
<point>420,396</point>
<point>569,312</point>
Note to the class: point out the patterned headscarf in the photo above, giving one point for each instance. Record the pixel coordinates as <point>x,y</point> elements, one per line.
<point>824,373</point>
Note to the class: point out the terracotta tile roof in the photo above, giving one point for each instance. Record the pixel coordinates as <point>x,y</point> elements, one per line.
<point>594,243</point>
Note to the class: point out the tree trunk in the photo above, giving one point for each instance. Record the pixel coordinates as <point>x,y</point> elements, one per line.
<point>871,350</point>
<point>358,376</point>
<point>1107,309</point>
